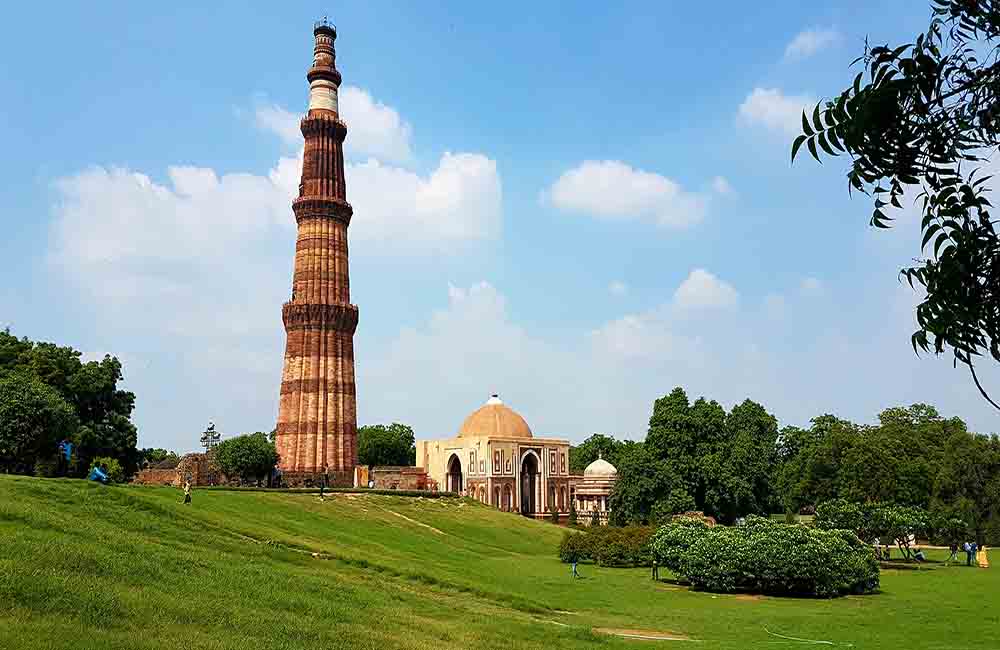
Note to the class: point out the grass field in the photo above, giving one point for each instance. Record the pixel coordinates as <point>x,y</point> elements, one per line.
<point>88,566</point>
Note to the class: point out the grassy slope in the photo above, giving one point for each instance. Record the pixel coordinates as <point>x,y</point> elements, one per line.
<point>85,566</point>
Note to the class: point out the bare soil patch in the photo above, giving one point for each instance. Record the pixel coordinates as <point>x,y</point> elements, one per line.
<point>645,635</point>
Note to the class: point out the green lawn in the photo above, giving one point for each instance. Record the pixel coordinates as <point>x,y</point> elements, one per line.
<point>88,566</point>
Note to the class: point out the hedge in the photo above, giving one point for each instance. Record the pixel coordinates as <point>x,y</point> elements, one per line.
<point>608,546</point>
<point>762,556</point>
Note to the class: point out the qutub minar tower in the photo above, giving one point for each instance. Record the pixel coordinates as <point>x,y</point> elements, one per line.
<point>317,413</point>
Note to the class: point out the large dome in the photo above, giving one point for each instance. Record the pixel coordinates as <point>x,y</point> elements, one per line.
<point>496,420</point>
<point>601,468</point>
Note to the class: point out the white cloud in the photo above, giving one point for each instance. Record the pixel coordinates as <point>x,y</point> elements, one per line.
<point>280,121</point>
<point>811,285</point>
<point>809,42</point>
<point>772,109</point>
<point>459,201</point>
<point>774,305</point>
<point>373,129</point>
<point>721,186</point>
<point>611,189</point>
<point>618,288</point>
<point>702,290</point>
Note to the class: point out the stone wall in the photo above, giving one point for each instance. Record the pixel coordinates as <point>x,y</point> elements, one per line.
<point>400,478</point>
<point>158,477</point>
<point>200,469</point>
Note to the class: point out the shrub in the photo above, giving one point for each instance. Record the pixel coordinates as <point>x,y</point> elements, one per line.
<point>114,468</point>
<point>768,557</point>
<point>670,542</point>
<point>608,546</point>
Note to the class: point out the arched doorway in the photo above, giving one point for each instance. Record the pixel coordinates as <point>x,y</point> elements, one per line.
<point>507,500</point>
<point>562,500</point>
<point>454,474</point>
<point>529,483</point>
<point>496,497</point>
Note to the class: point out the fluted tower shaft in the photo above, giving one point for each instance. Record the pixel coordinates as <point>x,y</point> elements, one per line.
<point>317,413</point>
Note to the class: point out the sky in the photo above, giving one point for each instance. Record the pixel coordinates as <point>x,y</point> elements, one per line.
<point>578,206</point>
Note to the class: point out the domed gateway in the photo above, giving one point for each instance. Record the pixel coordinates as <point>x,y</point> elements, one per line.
<point>495,458</point>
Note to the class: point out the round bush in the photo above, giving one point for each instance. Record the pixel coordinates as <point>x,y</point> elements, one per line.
<point>767,557</point>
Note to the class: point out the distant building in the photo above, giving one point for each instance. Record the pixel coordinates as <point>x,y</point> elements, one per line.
<point>593,491</point>
<point>496,459</point>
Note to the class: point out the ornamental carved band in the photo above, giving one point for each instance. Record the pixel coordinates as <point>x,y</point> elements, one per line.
<point>317,412</point>
<point>339,318</point>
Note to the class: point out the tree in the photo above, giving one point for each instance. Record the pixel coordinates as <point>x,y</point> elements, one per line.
<point>33,419</point>
<point>922,118</point>
<point>379,444</point>
<point>156,456</point>
<point>588,451</point>
<point>111,465</point>
<point>571,520</point>
<point>250,456</point>
<point>642,481</point>
<point>103,411</point>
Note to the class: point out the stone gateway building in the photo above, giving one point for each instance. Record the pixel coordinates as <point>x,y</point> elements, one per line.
<point>317,412</point>
<point>496,459</point>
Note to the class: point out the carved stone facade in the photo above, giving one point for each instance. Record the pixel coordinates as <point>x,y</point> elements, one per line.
<point>317,412</point>
<point>496,459</point>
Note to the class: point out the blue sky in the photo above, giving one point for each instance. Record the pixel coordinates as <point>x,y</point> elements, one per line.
<point>578,206</point>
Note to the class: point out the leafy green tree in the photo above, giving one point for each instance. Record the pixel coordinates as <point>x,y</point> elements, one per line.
<point>588,451</point>
<point>643,480</point>
<point>103,411</point>
<point>155,456</point>
<point>967,485</point>
<point>379,444</point>
<point>740,467</point>
<point>250,456</point>
<point>112,467</point>
<point>571,520</point>
<point>33,419</point>
<point>923,118</point>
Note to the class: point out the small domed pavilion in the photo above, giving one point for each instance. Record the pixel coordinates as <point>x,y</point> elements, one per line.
<point>593,491</point>
<point>496,459</point>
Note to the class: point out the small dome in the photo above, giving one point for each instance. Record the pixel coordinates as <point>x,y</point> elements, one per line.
<point>494,419</point>
<point>600,467</point>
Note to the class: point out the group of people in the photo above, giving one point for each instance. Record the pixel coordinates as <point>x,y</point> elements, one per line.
<point>975,555</point>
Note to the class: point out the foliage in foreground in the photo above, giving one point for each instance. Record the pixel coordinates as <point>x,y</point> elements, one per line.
<point>608,546</point>
<point>762,556</point>
<point>923,118</point>
<point>83,404</point>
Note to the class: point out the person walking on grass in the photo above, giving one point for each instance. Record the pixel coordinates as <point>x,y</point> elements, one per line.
<point>322,481</point>
<point>576,574</point>
<point>954,553</point>
<point>187,492</point>
<point>656,570</point>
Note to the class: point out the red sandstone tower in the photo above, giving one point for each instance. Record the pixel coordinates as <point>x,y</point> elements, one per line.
<point>317,414</point>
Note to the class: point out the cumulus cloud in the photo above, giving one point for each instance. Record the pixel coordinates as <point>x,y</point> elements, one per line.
<point>459,201</point>
<point>618,288</point>
<point>280,121</point>
<point>772,109</point>
<point>702,290</point>
<point>611,189</point>
<point>721,186</point>
<point>373,129</point>
<point>196,264</point>
<point>811,285</point>
<point>809,42</point>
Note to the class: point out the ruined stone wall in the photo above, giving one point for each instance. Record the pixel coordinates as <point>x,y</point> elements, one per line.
<point>400,478</point>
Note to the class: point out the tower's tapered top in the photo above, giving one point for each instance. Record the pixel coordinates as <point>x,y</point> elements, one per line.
<point>324,79</point>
